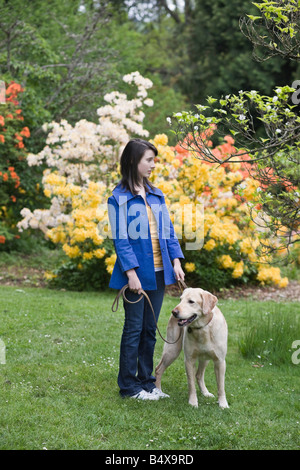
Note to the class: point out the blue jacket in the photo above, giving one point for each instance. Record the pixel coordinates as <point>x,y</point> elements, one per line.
<point>132,240</point>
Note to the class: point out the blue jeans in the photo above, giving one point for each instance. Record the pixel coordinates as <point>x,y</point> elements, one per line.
<point>138,340</point>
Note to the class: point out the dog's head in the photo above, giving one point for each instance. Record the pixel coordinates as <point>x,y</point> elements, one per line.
<point>194,304</point>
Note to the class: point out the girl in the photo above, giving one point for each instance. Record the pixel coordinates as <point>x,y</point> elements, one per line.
<point>146,246</point>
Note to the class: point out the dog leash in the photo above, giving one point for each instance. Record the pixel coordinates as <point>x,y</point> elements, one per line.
<point>182,285</point>
<point>121,293</point>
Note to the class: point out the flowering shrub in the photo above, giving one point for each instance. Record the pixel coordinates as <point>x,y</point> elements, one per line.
<point>230,238</point>
<point>265,125</point>
<point>91,256</point>
<point>12,164</point>
<point>86,152</point>
<point>83,169</point>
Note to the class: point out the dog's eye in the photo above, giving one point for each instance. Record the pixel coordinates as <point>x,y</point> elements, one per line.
<point>191,302</point>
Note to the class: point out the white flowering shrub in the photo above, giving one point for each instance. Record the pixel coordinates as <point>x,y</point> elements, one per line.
<point>86,152</point>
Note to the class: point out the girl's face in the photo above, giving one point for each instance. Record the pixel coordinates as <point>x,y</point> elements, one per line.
<point>146,164</point>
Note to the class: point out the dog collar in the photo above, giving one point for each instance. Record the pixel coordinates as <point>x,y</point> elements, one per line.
<point>190,329</point>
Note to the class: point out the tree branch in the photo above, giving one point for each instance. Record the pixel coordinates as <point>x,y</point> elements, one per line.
<point>172,13</point>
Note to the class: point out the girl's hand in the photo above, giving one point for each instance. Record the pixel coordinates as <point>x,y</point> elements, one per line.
<point>179,273</point>
<point>133,281</point>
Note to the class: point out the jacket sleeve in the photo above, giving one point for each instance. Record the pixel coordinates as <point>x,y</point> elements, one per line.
<point>118,222</point>
<point>173,244</point>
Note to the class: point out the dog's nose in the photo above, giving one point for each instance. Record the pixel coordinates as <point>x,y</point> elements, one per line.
<point>175,312</point>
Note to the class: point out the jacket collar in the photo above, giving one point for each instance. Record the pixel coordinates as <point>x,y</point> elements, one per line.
<point>123,195</point>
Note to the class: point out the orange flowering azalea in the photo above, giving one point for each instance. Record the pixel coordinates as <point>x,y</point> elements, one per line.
<point>180,153</point>
<point>229,139</point>
<point>14,176</point>
<point>14,88</point>
<point>12,135</point>
<point>12,92</point>
<point>25,132</point>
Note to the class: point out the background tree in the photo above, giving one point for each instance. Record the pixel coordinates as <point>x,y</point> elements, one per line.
<point>78,51</point>
<point>265,127</point>
<point>210,57</point>
<point>275,31</point>
<point>57,51</point>
<point>145,46</point>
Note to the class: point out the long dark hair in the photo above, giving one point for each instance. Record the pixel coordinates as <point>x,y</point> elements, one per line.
<point>130,158</point>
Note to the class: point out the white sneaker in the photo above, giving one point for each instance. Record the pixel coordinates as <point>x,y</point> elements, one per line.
<point>157,392</point>
<point>143,395</point>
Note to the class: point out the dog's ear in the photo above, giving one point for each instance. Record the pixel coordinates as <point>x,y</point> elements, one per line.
<point>209,302</point>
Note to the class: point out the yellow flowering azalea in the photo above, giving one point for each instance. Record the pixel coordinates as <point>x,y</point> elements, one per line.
<point>71,251</point>
<point>110,262</point>
<point>226,261</point>
<point>209,245</point>
<point>271,275</point>
<point>99,253</point>
<point>238,270</point>
<point>283,282</point>
<point>190,267</point>
<point>160,139</point>
<point>87,255</point>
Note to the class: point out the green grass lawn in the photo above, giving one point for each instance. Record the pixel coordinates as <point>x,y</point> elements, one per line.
<point>58,388</point>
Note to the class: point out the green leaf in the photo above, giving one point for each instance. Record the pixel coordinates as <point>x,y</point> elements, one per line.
<point>211,100</point>
<point>254,18</point>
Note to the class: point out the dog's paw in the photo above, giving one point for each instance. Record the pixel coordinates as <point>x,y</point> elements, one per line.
<point>193,403</point>
<point>223,403</point>
<point>208,395</point>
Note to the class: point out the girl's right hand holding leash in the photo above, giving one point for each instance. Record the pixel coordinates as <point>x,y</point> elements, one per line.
<point>179,273</point>
<point>133,281</point>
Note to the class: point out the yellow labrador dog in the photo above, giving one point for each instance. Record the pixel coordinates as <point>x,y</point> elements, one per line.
<point>204,338</point>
